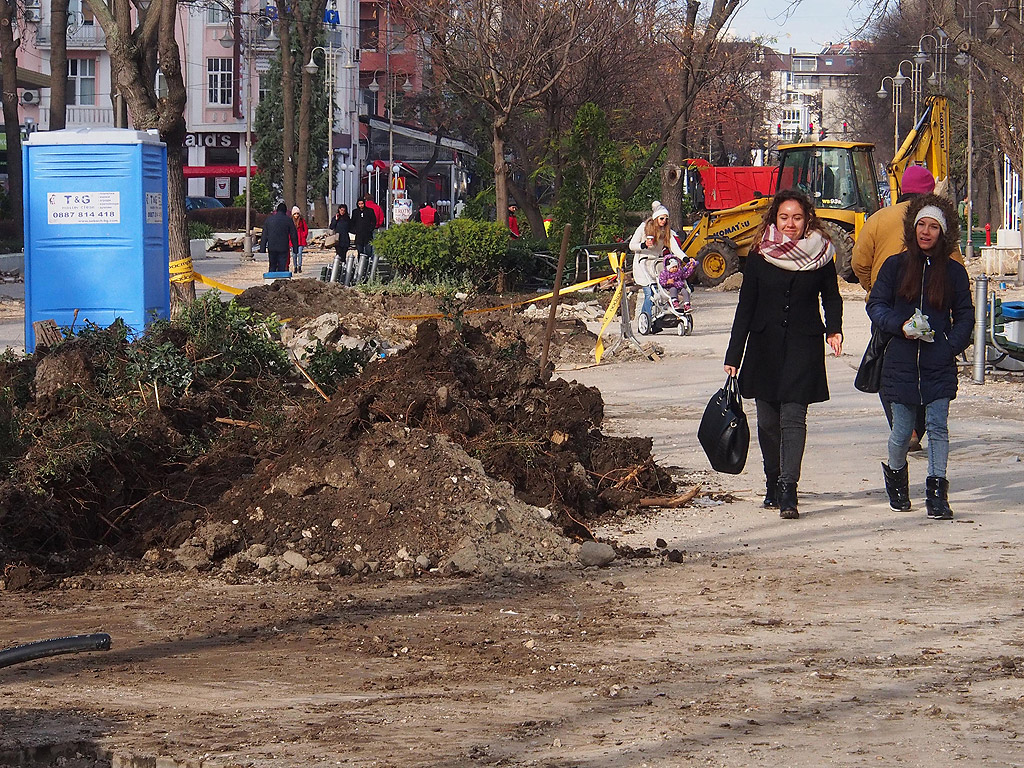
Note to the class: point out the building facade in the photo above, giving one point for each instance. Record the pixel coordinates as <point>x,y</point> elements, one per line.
<point>808,91</point>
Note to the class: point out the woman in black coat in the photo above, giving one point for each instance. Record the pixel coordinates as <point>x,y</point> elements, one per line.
<point>340,225</point>
<point>777,333</point>
<point>922,370</point>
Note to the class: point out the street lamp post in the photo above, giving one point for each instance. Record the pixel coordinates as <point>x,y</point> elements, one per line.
<point>312,68</point>
<point>250,32</point>
<point>897,103</point>
<point>964,58</point>
<point>915,81</point>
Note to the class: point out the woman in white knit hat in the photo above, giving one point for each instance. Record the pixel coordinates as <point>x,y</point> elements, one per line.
<point>919,368</point>
<point>302,228</point>
<point>652,240</point>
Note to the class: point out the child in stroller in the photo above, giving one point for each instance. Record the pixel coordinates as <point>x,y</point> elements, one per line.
<point>670,306</point>
<point>673,278</point>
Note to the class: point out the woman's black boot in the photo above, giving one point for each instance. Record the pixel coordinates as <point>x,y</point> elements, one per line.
<point>897,485</point>
<point>937,498</point>
<point>787,500</point>
<point>771,492</point>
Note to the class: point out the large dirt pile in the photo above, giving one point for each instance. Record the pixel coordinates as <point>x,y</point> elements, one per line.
<point>456,454</point>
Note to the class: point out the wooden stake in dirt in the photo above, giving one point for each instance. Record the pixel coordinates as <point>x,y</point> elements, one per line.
<point>554,298</point>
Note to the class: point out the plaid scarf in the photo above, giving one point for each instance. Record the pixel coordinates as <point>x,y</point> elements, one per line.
<point>804,255</point>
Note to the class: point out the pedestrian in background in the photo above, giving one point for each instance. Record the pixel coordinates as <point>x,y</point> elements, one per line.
<point>363,225</point>
<point>279,234</point>
<point>513,221</point>
<point>652,240</point>
<point>340,226</point>
<point>428,214</point>
<point>302,228</point>
<point>790,275</point>
<point>919,369</point>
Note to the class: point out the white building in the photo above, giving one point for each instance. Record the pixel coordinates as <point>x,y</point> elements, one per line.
<point>808,91</point>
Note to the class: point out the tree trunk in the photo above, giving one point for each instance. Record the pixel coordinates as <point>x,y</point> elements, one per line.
<point>9,69</point>
<point>58,64</point>
<point>500,171</point>
<point>671,178</point>
<point>288,107</point>
<point>184,292</point>
<point>302,160</point>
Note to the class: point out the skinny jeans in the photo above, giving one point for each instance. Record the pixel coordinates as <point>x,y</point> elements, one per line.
<point>782,435</point>
<point>936,418</point>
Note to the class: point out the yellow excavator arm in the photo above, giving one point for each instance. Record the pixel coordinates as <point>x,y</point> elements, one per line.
<point>927,144</point>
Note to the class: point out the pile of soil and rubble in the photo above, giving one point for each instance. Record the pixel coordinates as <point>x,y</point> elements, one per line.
<point>451,455</point>
<point>455,454</point>
<point>382,317</point>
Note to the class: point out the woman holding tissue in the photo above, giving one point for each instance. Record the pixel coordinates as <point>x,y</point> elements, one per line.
<point>922,298</point>
<point>789,277</point>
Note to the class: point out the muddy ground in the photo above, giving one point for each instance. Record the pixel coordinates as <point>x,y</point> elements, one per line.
<point>851,637</point>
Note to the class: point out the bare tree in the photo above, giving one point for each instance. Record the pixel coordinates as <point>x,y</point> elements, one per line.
<point>509,53</point>
<point>617,68</point>
<point>58,63</point>
<point>9,69</point>
<point>694,45</point>
<point>999,67</point>
<point>140,41</point>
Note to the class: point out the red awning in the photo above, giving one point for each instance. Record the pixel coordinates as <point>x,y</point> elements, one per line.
<point>383,166</point>
<point>202,171</point>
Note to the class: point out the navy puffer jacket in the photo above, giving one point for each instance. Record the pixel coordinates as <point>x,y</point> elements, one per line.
<point>919,372</point>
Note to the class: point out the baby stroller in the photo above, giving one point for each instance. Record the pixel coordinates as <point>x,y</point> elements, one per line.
<point>663,313</point>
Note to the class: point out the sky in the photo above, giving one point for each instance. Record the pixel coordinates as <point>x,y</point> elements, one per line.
<point>808,28</point>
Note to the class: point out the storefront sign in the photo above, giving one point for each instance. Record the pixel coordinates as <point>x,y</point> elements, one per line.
<point>212,140</point>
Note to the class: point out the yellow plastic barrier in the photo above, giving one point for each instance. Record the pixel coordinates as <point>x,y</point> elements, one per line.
<point>214,284</point>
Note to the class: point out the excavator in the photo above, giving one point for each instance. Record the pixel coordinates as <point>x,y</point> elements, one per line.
<point>840,177</point>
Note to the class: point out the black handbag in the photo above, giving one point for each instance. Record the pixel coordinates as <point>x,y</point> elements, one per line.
<point>723,432</point>
<point>869,373</point>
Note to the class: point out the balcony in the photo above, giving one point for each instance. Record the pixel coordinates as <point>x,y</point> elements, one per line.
<point>81,117</point>
<point>86,37</point>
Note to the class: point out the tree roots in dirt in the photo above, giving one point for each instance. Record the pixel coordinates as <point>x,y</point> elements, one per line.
<point>456,454</point>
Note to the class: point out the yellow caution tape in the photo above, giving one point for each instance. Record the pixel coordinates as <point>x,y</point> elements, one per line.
<point>181,270</point>
<point>570,289</point>
<point>609,315</point>
<point>214,284</point>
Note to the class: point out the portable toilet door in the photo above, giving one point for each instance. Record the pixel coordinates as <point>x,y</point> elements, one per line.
<point>96,235</point>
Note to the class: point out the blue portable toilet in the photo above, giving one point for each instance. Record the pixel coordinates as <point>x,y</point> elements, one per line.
<point>96,236</point>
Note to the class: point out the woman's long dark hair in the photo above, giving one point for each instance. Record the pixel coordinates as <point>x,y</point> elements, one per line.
<point>937,289</point>
<point>785,195</point>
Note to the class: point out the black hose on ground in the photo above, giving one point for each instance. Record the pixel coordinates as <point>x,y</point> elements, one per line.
<point>58,645</point>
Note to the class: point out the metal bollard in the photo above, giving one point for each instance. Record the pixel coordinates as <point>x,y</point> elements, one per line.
<point>336,267</point>
<point>350,265</point>
<point>980,327</point>
<point>361,268</point>
<point>373,268</point>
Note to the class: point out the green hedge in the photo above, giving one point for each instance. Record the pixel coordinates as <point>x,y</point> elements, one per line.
<point>479,249</point>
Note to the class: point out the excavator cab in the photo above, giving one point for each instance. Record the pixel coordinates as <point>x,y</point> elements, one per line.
<point>839,176</point>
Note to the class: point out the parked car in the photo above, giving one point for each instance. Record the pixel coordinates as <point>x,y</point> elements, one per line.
<point>195,203</point>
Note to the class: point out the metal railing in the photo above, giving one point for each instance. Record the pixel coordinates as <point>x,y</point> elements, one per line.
<point>84,36</point>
